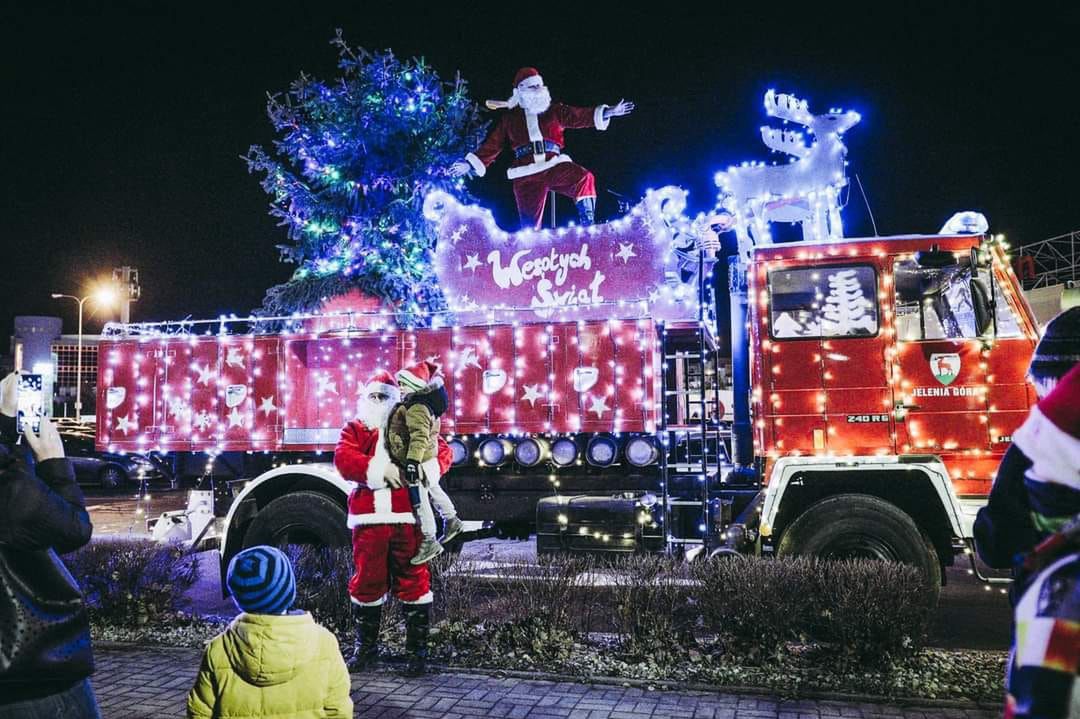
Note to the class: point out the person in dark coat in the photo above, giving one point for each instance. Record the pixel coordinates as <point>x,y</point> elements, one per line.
<point>1009,527</point>
<point>45,654</point>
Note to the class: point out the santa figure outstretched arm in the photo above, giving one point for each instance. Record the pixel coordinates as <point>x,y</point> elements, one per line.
<point>580,118</point>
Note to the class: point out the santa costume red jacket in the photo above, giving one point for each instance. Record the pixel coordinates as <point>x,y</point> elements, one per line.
<point>385,535</point>
<point>537,140</point>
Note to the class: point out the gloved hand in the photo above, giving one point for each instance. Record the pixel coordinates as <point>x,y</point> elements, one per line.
<point>9,395</point>
<point>412,473</point>
<point>459,169</point>
<point>47,444</point>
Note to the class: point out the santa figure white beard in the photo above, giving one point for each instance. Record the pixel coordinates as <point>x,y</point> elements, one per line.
<point>373,414</point>
<point>535,100</point>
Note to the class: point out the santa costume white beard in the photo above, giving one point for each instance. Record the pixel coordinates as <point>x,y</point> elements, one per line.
<point>373,414</point>
<point>535,101</point>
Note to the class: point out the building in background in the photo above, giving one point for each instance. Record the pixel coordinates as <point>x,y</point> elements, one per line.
<point>39,345</point>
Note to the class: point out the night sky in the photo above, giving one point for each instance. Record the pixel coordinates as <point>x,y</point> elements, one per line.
<point>123,122</point>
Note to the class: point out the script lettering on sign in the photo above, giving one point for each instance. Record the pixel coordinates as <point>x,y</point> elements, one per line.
<point>626,268</point>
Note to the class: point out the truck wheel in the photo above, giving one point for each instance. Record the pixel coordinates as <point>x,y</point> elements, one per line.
<point>862,526</point>
<point>299,518</point>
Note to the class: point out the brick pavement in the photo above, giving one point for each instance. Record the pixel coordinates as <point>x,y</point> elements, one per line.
<point>137,683</point>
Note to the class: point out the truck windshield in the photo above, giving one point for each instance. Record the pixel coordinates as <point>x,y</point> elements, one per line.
<point>935,303</point>
<point>823,302</point>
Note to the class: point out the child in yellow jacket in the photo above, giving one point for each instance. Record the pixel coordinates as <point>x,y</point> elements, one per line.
<point>270,661</point>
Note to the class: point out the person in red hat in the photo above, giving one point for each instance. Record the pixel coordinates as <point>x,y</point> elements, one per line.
<point>384,533</point>
<point>534,128</point>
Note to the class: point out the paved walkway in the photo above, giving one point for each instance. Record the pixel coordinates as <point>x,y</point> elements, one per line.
<point>138,683</point>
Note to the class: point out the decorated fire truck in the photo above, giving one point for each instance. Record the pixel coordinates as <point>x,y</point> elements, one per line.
<point>872,384</point>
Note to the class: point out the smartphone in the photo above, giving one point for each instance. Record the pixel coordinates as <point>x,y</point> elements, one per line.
<point>31,403</point>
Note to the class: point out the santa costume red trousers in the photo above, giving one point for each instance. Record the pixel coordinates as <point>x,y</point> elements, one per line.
<point>381,554</point>
<point>567,178</point>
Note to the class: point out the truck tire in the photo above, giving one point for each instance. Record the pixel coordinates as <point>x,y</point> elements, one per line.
<point>299,518</point>
<point>862,526</point>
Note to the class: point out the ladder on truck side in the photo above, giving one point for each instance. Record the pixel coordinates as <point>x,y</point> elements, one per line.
<point>694,453</point>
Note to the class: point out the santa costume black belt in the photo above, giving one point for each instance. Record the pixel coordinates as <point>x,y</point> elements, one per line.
<point>537,148</point>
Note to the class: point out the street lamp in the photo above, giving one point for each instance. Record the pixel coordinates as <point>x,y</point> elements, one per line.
<point>105,296</point>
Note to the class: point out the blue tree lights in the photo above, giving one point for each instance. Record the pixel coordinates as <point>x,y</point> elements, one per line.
<point>347,176</point>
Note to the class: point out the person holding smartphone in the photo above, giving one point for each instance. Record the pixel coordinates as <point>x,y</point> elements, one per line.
<point>45,654</point>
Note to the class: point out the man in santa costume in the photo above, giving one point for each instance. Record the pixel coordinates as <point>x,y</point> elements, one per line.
<point>534,128</point>
<point>385,535</point>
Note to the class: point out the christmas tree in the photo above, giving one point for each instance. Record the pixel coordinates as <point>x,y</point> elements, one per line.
<point>846,310</point>
<point>347,177</point>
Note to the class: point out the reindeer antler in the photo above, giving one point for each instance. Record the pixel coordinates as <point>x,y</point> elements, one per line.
<point>787,107</point>
<point>787,141</point>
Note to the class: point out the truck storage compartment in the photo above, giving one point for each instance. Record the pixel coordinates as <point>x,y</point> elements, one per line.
<point>617,524</point>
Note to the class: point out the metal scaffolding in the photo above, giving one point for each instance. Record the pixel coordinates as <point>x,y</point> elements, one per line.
<point>1051,262</point>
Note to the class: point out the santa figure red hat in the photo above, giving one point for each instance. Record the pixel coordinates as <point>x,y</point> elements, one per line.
<point>384,383</point>
<point>533,130</point>
<point>515,98</point>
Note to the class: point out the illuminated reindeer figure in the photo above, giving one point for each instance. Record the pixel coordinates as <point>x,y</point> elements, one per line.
<point>805,190</point>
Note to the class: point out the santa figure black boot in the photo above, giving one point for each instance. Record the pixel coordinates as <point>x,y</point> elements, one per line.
<point>417,625</point>
<point>366,622</point>
<point>586,208</point>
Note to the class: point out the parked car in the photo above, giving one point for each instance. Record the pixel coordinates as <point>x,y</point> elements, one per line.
<point>108,470</point>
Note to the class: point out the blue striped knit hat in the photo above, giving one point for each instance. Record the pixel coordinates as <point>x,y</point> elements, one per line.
<point>261,581</point>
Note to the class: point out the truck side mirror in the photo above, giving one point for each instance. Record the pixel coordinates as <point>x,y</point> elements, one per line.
<point>980,303</point>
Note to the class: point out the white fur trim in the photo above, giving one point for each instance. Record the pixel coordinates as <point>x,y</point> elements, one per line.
<point>390,390</point>
<point>358,520</point>
<point>477,166</point>
<point>377,603</point>
<point>532,122</point>
<point>376,468</point>
<point>598,118</point>
<point>424,599</point>
<point>535,167</point>
<point>1054,453</point>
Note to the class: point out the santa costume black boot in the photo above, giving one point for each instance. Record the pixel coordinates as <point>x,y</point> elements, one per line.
<point>366,622</point>
<point>417,624</point>
<point>586,208</point>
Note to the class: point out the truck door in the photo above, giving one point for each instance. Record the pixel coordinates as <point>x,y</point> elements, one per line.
<point>825,361</point>
<point>941,371</point>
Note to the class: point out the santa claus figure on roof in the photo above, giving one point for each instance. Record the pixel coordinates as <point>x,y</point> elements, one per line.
<point>385,535</point>
<point>534,129</point>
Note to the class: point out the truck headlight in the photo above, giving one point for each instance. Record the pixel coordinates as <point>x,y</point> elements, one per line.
<point>530,451</point>
<point>459,451</point>
<point>641,451</point>
<point>564,452</point>
<point>494,451</point>
<point>601,451</point>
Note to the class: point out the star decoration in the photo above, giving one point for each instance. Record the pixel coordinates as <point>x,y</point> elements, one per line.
<point>126,424</point>
<point>598,405</point>
<point>327,385</point>
<point>532,394</point>
<point>234,358</point>
<point>235,418</point>
<point>267,407</point>
<point>472,261</point>
<point>469,358</point>
<point>205,374</point>
<point>626,251</point>
<point>654,294</point>
<point>202,420</point>
<point>457,234</point>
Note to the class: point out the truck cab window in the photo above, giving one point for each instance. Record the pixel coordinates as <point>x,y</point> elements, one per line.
<point>823,302</point>
<point>936,303</point>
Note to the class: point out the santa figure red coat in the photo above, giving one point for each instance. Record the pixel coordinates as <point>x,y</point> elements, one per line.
<point>537,141</point>
<point>384,531</point>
